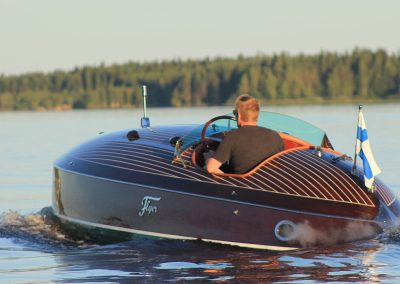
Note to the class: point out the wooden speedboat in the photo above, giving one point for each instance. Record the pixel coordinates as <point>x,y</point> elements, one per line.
<point>151,182</point>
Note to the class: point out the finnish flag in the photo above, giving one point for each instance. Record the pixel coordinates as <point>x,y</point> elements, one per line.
<point>363,149</point>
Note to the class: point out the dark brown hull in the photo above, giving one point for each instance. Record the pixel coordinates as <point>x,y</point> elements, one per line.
<point>133,187</point>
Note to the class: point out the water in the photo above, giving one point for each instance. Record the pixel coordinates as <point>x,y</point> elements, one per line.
<point>34,250</point>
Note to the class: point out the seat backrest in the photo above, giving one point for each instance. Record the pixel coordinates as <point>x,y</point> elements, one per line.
<point>292,142</point>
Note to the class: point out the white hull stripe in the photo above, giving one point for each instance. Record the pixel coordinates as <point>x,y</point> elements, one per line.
<point>170,236</point>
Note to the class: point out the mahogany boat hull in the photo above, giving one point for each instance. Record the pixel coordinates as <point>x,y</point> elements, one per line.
<point>105,184</point>
<point>159,212</point>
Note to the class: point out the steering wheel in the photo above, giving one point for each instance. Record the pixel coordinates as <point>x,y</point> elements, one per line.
<point>207,144</point>
<point>208,123</point>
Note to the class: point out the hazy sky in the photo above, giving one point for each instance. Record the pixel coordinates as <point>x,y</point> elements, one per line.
<point>44,35</point>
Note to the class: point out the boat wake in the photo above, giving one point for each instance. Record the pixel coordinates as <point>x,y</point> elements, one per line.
<point>41,230</point>
<point>390,236</point>
<point>307,236</point>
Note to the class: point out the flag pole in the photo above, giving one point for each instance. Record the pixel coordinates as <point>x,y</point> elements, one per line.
<point>354,171</point>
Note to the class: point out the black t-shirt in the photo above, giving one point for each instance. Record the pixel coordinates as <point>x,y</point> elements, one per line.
<point>247,146</point>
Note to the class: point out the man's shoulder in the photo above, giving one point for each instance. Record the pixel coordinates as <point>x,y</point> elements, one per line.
<point>249,129</point>
<point>233,132</point>
<point>267,133</point>
<point>267,130</point>
<point>260,129</point>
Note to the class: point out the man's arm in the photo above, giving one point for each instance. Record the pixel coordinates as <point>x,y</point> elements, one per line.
<point>213,166</point>
<point>222,154</point>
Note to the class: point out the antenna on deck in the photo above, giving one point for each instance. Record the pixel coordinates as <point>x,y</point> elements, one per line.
<point>145,121</point>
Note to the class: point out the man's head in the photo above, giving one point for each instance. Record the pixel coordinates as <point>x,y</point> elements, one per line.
<point>247,109</point>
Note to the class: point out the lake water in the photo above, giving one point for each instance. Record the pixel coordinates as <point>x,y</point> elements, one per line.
<point>33,250</point>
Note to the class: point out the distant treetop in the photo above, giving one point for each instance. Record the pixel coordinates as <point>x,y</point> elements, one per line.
<point>359,76</point>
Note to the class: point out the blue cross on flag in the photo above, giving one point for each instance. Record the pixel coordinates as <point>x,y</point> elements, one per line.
<point>363,149</point>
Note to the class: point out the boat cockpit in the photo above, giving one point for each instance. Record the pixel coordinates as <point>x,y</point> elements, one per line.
<point>294,132</point>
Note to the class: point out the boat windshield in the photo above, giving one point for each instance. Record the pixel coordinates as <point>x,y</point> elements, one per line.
<point>275,121</point>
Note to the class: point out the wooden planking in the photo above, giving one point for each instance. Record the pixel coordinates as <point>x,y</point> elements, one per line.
<point>298,173</point>
<point>384,192</point>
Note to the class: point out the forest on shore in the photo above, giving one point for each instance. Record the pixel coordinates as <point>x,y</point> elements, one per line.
<point>354,77</point>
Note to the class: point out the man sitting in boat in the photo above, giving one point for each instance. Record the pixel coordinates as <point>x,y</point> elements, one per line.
<point>248,145</point>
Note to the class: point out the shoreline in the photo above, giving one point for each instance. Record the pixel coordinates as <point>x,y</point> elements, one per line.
<point>284,102</point>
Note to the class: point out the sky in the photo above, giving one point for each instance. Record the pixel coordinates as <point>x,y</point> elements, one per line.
<point>48,35</point>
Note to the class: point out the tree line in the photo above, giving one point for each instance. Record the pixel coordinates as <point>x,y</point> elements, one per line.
<point>357,76</point>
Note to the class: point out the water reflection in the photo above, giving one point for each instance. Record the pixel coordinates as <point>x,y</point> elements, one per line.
<point>153,260</point>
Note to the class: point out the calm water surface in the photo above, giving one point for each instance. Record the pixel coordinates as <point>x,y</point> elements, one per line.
<point>34,250</point>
